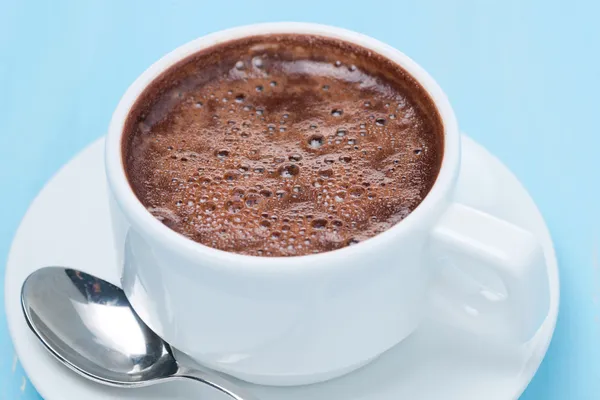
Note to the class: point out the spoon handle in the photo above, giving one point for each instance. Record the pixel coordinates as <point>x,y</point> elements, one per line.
<point>222,385</point>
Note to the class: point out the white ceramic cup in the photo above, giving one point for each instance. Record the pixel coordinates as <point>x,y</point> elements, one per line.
<point>299,320</point>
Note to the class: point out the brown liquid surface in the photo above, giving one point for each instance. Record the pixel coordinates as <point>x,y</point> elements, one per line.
<point>282,145</point>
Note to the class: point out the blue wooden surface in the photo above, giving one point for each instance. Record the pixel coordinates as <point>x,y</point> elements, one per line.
<point>523,76</point>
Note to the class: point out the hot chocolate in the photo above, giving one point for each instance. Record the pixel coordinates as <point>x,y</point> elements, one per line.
<point>282,145</point>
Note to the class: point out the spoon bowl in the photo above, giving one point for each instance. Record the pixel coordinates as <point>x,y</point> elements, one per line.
<point>89,325</point>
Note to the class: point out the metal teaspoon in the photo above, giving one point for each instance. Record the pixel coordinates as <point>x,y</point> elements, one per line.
<point>89,325</point>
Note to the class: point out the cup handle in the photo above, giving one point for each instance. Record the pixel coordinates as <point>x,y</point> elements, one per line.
<point>484,249</point>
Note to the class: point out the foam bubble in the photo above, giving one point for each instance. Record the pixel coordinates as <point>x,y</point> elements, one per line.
<point>208,208</point>
<point>319,223</point>
<point>326,173</point>
<point>231,176</point>
<point>222,153</point>
<point>265,224</point>
<point>289,170</point>
<point>252,200</point>
<point>316,141</point>
<point>258,62</point>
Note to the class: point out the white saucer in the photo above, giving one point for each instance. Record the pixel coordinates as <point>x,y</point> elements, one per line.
<point>68,224</point>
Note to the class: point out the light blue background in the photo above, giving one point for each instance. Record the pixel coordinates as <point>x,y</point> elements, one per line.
<point>523,76</point>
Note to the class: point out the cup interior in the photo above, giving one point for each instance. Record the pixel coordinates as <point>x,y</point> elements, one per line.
<point>142,219</point>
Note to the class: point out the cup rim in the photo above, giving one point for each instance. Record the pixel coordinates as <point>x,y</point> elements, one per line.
<point>139,217</point>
